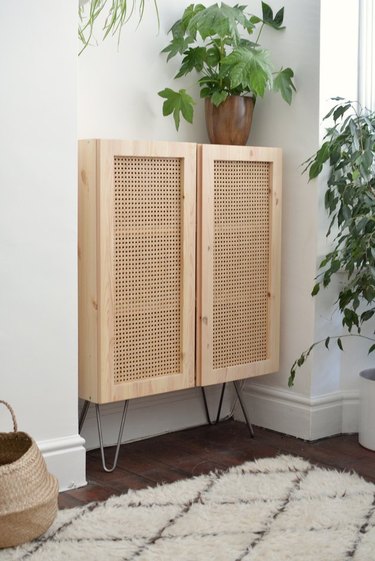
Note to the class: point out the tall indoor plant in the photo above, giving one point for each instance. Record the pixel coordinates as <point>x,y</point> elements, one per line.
<point>222,44</point>
<point>349,149</point>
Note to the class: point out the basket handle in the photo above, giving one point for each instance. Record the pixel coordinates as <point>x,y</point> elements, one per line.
<point>12,413</point>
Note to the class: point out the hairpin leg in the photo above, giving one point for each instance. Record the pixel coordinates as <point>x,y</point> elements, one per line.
<point>244,411</point>
<point>99,423</point>
<point>82,416</point>
<point>219,408</point>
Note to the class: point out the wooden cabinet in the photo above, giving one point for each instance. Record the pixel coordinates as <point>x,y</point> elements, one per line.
<point>173,293</point>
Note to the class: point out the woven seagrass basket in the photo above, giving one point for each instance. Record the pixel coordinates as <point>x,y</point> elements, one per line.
<point>28,493</point>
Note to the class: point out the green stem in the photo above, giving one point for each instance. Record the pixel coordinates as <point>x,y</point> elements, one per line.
<point>344,336</point>
<point>222,55</point>
<point>260,31</point>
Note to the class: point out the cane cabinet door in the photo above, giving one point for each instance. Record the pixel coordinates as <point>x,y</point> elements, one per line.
<point>239,218</point>
<point>137,218</point>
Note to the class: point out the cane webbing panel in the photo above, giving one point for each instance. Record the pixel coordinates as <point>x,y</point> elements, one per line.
<point>241,262</point>
<point>147,267</point>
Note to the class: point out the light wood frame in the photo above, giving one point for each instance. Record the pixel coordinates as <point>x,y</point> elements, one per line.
<point>207,155</point>
<point>96,279</point>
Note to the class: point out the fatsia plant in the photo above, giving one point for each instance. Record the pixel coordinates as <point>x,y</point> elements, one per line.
<point>349,150</point>
<point>115,13</point>
<point>222,44</point>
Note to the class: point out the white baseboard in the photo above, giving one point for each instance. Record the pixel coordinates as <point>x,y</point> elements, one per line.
<point>350,411</point>
<point>301,416</point>
<point>66,459</point>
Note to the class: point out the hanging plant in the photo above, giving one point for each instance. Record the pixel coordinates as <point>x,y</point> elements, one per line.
<point>349,149</point>
<point>115,13</point>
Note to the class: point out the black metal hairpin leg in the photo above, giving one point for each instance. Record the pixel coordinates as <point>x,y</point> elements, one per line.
<point>219,408</point>
<point>243,407</point>
<point>99,423</point>
<point>83,414</point>
<point>82,418</point>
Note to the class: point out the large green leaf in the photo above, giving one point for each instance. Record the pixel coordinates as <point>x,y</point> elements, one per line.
<point>367,158</point>
<point>340,110</point>
<point>218,97</point>
<point>250,69</point>
<point>213,56</point>
<point>283,83</point>
<point>235,16</point>
<point>176,46</point>
<point>180,39</point>
<point>209,22</point>
<point>267,13</point>
<point>210,86</point>
<point>179,28</point>
<point>219,20</point>
<point>278,19</point>
<point>194,59</point>
<point>269,19</point>
<point>177,103</point>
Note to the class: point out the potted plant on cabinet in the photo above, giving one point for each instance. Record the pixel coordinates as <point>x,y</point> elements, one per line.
<point>349,149</point>
<point>221,43</point>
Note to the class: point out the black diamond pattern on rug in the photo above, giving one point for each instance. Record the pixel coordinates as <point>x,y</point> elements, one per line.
<point>277,509</point>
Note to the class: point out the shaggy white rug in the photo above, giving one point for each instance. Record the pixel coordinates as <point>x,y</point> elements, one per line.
<point>281,509</point>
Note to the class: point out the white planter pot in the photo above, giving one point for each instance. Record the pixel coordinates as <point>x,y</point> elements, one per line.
<point>366,434</point>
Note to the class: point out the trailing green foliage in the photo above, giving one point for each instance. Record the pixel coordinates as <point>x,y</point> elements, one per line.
<point>349,150</point>
<point>214,42</point>
<point>116,13</point>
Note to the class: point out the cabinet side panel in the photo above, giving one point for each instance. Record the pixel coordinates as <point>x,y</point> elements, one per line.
<point>198,282</point>
<point>205,256</point>
<point>87,271</point>
<point>188,265</point>
<point>275,261</point>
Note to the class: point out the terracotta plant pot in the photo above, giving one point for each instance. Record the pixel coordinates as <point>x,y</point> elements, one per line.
<point>230,122</point>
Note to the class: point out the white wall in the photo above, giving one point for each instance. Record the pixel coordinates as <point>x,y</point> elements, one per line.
<point>296,129</point>
<point>38,229</point>
<point>118,84</point>
<point>338,77</point>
